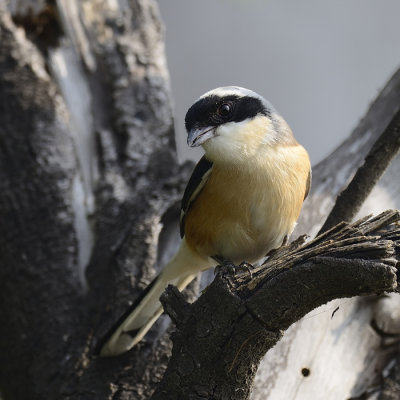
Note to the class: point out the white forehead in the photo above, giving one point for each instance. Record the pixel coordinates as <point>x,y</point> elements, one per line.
<point>237,91</point>
<point>232,90</point>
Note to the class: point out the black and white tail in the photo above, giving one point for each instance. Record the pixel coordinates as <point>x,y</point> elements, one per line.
<point>137,321</point>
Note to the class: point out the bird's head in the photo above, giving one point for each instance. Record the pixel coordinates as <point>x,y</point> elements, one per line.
<point>233,123</point>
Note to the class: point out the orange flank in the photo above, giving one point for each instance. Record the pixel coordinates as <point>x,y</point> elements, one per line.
<point>223,222</point>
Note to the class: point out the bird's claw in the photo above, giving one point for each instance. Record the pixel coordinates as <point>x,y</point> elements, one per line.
<point>228,267</point>
<point>225,267</point>
<point>246,266</point>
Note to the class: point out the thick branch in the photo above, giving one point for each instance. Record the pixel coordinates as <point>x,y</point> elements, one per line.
<point>45,341</point>
<point>350,200</point>
<point>221,338</point>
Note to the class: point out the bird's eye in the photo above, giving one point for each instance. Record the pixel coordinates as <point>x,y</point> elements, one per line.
<point>224,110</point>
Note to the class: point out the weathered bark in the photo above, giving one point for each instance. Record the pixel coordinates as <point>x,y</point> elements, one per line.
<point>88,203</point>
<point>340,366</point>
<point>47,196</point>
<point>40,290</point>
<point>349,202</point>
<point>221,338</point>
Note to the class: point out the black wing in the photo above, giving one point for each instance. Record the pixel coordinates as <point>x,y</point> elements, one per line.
<point>196,182</point>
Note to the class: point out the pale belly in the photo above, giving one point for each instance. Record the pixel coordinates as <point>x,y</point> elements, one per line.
<point>240,226</point>
<point>251,242</point>
<point>241,246</point>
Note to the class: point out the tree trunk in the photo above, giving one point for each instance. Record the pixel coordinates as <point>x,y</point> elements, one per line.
<point>90,188</point>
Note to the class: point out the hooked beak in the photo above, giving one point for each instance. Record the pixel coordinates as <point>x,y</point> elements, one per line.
<point>196,137</point>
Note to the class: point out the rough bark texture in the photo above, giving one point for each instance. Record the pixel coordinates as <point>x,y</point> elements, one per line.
<point>88,208</point>
<point>51,320</point>
<point>40,291</point>
<point>221,338</point>
<point>332,174</point>
<point>350,200</point>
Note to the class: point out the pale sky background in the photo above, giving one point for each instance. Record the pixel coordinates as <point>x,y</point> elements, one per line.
<point>320,63</point>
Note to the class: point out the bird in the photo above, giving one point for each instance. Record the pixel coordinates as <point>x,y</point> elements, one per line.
<point>241,202</point>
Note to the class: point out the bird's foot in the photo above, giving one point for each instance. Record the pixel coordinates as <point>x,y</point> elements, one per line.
<point>228,267</point>
<point>225,267</point>
<point>246,266</point>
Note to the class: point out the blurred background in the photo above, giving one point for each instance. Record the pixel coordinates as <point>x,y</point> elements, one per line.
<point>319,63</point>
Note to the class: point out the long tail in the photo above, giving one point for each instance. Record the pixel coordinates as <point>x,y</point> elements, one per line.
<point>145,311</point>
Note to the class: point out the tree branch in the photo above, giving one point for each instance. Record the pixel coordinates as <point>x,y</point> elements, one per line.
<point>221,338</point>
<point>350,200</point>
<point>49,324</point>
<point>332,174</point>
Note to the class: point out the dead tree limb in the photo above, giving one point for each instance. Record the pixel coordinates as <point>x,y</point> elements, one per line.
<point>107,171</point>
<point>221,338</point>
<point>350,200</point>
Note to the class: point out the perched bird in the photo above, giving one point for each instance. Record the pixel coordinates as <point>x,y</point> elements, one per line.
<point>241,202</point>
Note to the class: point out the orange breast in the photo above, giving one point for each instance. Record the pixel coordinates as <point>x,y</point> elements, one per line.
<point>243,213</point>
